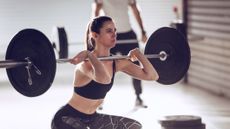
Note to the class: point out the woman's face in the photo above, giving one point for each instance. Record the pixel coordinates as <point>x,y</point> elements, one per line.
<point>107,35</point>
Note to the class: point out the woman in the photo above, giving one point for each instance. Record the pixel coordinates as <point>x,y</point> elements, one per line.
<point>119,11</point>
<point>94,78</point>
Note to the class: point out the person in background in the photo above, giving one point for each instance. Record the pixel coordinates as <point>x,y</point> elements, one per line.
<point>126,37</point>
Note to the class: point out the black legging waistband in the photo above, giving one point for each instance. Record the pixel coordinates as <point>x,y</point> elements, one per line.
<point>75,113</point>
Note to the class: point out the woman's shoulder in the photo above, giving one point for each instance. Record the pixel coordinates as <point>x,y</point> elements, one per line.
<point>83,66</point>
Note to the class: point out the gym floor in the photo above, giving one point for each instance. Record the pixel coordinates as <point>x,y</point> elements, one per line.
<point>19,112</point>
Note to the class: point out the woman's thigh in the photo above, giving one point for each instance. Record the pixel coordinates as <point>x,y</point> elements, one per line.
<point>103,121</point>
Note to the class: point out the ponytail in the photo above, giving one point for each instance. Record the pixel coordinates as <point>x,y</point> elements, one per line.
<point>90,43</point>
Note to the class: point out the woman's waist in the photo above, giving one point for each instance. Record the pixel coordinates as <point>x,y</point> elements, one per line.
<point>85,105</point>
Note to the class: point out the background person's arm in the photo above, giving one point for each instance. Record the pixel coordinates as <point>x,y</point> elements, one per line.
<point>96,7</point>
<point>137,15</point>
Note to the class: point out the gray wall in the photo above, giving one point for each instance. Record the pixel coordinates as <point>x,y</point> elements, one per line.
<point>43,15</point>
<point>209,26</point>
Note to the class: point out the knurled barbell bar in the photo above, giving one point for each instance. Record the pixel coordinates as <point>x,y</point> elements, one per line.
<point>31,64</point>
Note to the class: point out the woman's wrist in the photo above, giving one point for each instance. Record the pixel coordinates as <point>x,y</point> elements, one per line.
<point>137,52</point>
<point>87,54</point>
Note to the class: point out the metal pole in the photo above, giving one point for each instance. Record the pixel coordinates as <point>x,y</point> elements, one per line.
<point>12,63</point>
<point>114,57</point>
<point>118,57</point>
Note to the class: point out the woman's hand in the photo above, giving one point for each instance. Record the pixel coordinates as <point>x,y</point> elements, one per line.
<point>79,57</point>
<point>133,54</point>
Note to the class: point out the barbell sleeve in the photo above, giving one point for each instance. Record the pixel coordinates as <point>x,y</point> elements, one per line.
<point>12,63</point>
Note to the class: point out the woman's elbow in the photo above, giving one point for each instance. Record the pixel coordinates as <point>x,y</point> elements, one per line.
<point>156,77</point>
<point>153,77</point>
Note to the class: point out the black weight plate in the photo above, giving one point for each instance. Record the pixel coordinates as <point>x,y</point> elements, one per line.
<point>63,43</point>
<point>176,46</point>
<point>201,126</point>
<point>35,45</point>
<point>180,121</point>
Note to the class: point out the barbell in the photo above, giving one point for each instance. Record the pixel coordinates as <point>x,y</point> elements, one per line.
<point>31,63</point>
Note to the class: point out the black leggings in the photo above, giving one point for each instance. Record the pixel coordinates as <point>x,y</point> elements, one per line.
<point>69,118</point>
<point>124,50</point>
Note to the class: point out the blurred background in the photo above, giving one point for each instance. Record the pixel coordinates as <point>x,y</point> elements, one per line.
<point>205,91</point>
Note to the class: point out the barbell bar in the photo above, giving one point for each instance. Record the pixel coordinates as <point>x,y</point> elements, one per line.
<point>11,63</point>
<point>162,56</point>
<point>120,41</point>
<point>31,63</point>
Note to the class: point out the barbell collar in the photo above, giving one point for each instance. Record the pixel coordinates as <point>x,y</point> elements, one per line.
<point>163,55</point>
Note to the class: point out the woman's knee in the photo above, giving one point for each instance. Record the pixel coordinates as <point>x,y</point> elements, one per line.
<point>132,124</point>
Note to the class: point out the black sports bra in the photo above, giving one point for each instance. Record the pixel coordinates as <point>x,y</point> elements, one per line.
<point>95,90</point>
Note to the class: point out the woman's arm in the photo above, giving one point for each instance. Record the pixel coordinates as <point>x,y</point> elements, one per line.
<point>144,72</point>
<point>93,68</point>
<point>137,15</point>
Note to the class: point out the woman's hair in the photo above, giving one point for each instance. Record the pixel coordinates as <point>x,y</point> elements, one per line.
<point>94,26</point>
